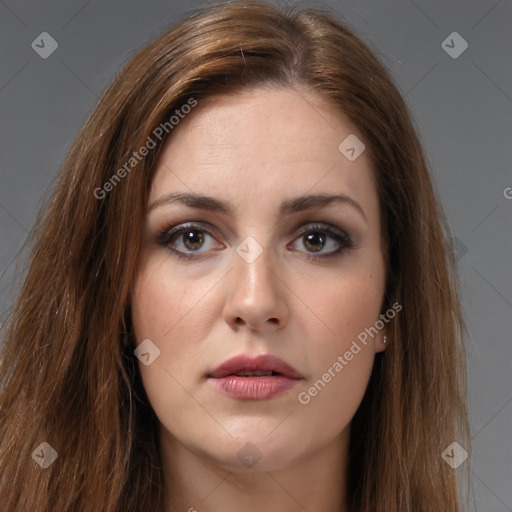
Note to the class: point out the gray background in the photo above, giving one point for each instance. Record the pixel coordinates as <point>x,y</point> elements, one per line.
<point>462,108</point>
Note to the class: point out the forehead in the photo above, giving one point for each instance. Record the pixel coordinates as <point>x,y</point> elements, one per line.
<point>262,144</point>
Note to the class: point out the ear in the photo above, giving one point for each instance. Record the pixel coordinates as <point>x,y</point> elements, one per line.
<point>381,340</point>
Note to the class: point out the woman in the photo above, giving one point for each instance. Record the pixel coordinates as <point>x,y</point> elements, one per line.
<point>240,295</point>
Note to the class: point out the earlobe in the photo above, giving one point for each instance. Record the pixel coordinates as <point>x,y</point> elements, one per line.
<point>381,343</point>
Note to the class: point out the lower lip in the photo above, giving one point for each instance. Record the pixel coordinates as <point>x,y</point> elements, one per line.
<point>253,388</point>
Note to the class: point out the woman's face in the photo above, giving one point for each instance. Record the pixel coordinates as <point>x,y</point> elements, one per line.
<point>263,266</point>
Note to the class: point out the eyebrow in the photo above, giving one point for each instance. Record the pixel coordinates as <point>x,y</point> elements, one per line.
<point>294,205</point>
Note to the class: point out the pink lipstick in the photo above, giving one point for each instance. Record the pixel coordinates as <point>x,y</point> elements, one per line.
<point>254,378</point>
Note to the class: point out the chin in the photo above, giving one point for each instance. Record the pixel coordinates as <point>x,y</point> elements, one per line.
<point>248,455</point>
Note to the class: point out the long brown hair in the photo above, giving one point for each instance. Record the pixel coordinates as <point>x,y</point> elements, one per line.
<point>68,375</point>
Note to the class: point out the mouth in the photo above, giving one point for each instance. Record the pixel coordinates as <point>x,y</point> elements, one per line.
<point>254,378</point>
<point>256,373</point>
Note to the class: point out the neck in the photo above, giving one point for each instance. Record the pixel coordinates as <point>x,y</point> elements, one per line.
<point>315,482</point>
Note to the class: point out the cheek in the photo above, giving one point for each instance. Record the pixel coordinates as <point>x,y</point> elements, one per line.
<point>344,352</point>
<point>331,399</point>
<point>164,301</point>
<point>344,305</point>
<point>168,310</point>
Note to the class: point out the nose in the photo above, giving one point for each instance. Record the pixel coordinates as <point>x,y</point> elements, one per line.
<point>256,295</point>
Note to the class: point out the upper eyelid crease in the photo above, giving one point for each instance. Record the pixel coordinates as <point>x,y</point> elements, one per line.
<point>341,237</point>
<point>287,207</point>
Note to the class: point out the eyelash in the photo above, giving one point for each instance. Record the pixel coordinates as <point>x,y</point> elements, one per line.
<point>170,233</point>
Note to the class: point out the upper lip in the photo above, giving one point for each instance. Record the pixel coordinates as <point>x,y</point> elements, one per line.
<point>247,363</point>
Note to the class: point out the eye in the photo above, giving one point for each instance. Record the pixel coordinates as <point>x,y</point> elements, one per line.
<point>316,237</point>
<point>186,239</point>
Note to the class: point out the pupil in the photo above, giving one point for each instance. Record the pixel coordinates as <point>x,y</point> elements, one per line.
<point>194,238</point>
<point>313,239</point>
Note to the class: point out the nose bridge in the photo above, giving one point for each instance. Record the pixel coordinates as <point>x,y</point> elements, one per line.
<point>253,262</point>
<point>255,292</point>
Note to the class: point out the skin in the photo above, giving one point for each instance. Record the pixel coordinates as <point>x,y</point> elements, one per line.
<point>255,150</point>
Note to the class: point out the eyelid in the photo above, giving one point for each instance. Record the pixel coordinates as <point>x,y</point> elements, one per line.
<point>325,227</point>
<point>170,232</point>
<point>339,235</point>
